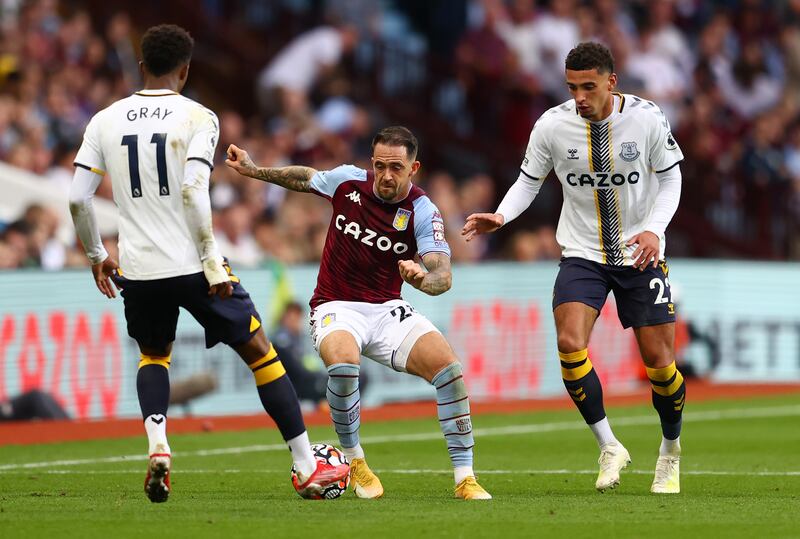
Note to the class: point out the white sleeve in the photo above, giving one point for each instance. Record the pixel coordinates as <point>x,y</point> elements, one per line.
<point>90,154</point>
<point>664,152</point>
<point>667,198</point>
<point>197,209</point>
<point>538,161</point>
<point>519,197</point>
<point>204,141</point>
<point>81,193</point>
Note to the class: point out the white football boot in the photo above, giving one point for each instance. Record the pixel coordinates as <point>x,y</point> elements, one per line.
<point>613,458</point>
<point>668,475</point>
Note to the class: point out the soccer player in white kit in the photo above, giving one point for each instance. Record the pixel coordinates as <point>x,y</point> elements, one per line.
<point>158,147</point>
<point>617,163</point>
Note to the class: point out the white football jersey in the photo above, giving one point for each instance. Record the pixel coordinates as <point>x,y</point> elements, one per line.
<point>607,171</point>
<point>143,142</point>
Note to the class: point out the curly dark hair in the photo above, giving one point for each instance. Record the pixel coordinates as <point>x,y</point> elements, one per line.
<point>397,135</point>
<point>165,47</point>
<point>590,55</point>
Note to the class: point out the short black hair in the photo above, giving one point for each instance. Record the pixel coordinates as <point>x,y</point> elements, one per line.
<point>397,135</point>
<point>590,55</point>
<point>165,47</point>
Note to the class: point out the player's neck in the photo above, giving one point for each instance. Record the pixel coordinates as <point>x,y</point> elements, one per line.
<point>167,82</point>
<point>608,108</point>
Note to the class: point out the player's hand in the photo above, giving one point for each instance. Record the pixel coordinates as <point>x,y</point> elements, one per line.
<point>219,281</point>
<point>481,223</point>
<point>411,272</point>
<point>103,276</point>
<point>223,290</point>
<point>239,160</point>
<point>648,246</point>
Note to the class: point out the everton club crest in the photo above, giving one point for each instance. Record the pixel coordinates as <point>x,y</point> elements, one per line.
<point>401,219</point>
<point>629,151</point>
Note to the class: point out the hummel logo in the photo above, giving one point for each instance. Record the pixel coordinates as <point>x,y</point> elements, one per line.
<point>355,196</point>
<point>572,153</point>
<point>157,419</point>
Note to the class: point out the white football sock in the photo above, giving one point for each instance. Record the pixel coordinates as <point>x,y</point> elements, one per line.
<point>303,458</point>
<point>353,452</point>
<point>602,432</point>
<point>156,427</point>
<point>671,448</point>
<point>462,472</point>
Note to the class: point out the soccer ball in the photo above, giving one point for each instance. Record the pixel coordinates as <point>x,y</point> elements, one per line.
<point>333,456</point>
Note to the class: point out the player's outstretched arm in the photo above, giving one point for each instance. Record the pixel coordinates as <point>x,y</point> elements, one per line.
<point>295,178</point>
<point>437,280</point>
<point>481,223</point>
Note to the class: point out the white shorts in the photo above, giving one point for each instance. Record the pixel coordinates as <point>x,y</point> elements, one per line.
<point>385,332</point>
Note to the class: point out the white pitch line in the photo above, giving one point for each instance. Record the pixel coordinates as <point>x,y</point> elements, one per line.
<point>791,473</point>
<point>650,419</point>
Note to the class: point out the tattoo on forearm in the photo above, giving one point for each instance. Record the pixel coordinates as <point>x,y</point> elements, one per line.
<point>439,277</point>
<point>296,178</point>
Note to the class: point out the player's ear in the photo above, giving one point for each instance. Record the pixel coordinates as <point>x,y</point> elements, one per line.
<point>414,168</point>
<point>184,72</point>
<point>141,69</point>
<point>612,81</point>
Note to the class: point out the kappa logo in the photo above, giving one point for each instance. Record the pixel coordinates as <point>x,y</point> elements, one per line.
<point>355,196</point>
<point>629,151</point>
<point>573,153</point>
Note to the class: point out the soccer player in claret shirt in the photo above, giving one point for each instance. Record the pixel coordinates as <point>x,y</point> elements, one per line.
<point>158,147</point>
<point>380,222</point>
<point>618,165</point>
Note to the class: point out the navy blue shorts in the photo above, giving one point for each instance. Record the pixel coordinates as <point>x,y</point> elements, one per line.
<point>151,309</point>
<point>643,297</point>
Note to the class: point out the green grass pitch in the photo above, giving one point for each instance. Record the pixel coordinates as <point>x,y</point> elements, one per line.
<point>740,478</point>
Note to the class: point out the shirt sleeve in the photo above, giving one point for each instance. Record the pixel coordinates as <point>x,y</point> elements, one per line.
<point>538,161</point>
<point>664,151</point>
<point>205,138</point>
<point>519,197</point>
<point>81,194</point>
<point>429,228</point>
<point>325,182</point>
<point>90,154</point>
<point>666,203</point>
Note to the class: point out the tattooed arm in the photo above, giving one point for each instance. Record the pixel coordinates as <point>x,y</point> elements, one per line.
<point>295,178</point>
<point>437,280</point>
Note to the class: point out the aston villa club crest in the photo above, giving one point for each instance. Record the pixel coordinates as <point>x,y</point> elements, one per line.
<point>629,151</point>
<point>401,219</point>
<point>328,319</point>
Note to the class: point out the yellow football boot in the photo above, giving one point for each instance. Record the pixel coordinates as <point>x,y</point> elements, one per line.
<point>364,482</point>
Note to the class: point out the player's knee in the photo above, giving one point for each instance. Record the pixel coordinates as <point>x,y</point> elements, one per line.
<point>657,357</point>
<point>342,361</point>
<point>442,364</point>
<point>431,367</point>
<point>256,348</point>
<point>570,342</point>
<point>339,347</point>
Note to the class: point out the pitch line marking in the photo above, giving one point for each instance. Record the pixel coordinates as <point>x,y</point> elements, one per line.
<point>766,473</point>
<point>709,415</point>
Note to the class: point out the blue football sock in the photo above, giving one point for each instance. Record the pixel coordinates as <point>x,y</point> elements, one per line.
<point>344,400</point>
<point>452,404</point>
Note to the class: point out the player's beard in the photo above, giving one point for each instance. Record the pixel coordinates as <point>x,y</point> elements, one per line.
<point>388,193</point>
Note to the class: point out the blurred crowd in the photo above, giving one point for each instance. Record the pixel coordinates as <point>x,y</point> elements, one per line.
<point>726,74</point>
